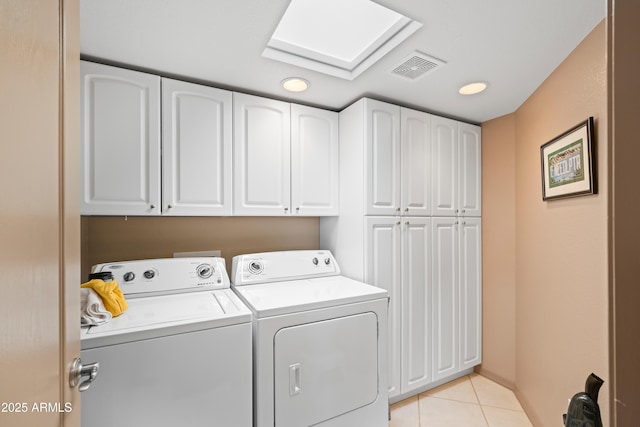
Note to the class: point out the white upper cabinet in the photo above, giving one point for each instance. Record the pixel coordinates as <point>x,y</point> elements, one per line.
<point>196,149</point>
<point>262,153</point>
<point>120,163</point>
<point>382,161</point>
<point>398,162</point>
<point>470,175</point>
<point>285,158</point>
<point>456,166</point>
<point>314,161</point>
<point>416,163</point>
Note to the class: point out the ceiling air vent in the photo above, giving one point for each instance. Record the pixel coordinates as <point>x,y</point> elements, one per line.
<point>416,65</point>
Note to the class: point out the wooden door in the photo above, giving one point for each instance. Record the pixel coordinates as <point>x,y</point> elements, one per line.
<point>39,213</point>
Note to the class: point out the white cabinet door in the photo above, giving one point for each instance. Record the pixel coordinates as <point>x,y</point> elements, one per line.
<point>383,269</point>
<point>470,170</point>
<point>444,166</point>
<point>314,161</point>
<point>470,286</point>
<point>416,162</point>
<point>382,158</point>
<point>445,297</point>
<point>196,149</point>
<point>120,150</point>
<point>261,148</point>
<point>416,302</point>
<point>457,168</point>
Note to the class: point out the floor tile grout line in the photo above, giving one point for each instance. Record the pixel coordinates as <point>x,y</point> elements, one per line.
<point>486,421</point>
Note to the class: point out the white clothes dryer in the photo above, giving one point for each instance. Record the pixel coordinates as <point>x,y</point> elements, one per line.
<point>320,341</point>
<point>179,356</point>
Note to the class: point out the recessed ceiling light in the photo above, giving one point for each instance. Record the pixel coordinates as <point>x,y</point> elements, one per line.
<point>472,88</point>
<point>295,84</point>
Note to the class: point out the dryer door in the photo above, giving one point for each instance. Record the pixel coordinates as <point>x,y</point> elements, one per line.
<point>325,369</point>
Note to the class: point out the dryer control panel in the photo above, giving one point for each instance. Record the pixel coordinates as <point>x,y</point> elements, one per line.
<point>167,275</point>
<point>265,267</point>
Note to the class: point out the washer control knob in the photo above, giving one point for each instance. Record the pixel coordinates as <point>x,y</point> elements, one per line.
<point>205,271</point>
<point>315,261</point>
<point>129,276</point>
<point>327,261</point>
<point>149,274</point>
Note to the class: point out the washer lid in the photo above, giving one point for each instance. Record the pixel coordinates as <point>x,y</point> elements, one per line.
<point>272,299</point>
<point>163,315</point>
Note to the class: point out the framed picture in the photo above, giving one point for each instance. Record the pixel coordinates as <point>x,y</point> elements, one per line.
<point>567,163</point>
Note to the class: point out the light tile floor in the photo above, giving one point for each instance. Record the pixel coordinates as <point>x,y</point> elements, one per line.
<point>470,401</point>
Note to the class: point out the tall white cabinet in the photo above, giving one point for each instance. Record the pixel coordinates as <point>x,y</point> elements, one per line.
<point>388,234</point>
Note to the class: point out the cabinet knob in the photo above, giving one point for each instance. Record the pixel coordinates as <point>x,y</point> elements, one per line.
<point>397,209</point>
<point>406,209</point>
<point>169,206</point>
<point>298,209</point>
<point>407,223</point>
<point>398,223</point>
<point>286,210</point>
<point>152,207</point>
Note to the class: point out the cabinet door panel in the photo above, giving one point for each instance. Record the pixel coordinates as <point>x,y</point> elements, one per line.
<point>445,297</point>
<point>314,161</point>
<point>470,186</point>
<point>444,166</point>
<point>470,292</point>
<point>196,149</point>
<point>382,160</point>
<point>416,302</point>
<point>120,163</point>
<point>416,163</point>
<point>262,138</point>
<point>382,269</point>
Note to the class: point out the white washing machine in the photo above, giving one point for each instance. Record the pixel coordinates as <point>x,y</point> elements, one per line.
<point>320,341</point>
<point>179,356</point>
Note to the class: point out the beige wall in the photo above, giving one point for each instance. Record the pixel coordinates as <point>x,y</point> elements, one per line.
<point>499,250</point>
<point>561,256</point>
<point>106,239</point>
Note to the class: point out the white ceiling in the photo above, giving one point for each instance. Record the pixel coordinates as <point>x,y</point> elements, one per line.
<point>511,44</point>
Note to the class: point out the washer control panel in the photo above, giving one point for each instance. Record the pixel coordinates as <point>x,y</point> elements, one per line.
<point>268,267</point>
<point>167,275</point>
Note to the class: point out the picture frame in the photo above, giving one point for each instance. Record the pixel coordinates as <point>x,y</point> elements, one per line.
<point>568,166</point>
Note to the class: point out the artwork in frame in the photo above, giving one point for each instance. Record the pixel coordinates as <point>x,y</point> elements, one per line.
<point>568,165</point>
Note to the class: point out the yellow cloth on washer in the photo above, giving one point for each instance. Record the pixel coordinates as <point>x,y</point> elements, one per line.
<point>110,293</point>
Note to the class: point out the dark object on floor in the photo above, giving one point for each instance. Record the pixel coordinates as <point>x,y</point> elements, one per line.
<point>583,408</point>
